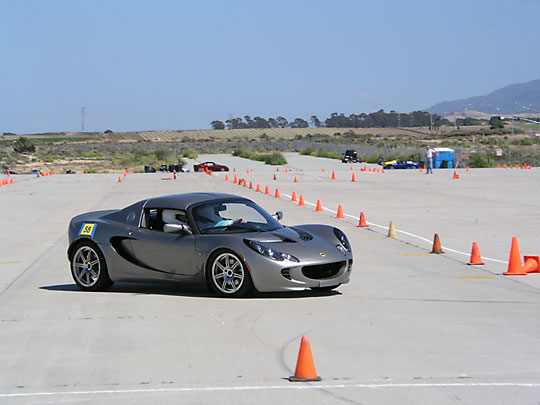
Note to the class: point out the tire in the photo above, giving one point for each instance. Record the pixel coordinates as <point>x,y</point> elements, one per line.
<point>88,267</point>
<point>392,167</point>
<point>221,169</point>
<point>328,288</point>
<point>227,275</point>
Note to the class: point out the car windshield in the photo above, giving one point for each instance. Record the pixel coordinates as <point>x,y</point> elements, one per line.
<point>233,217</point>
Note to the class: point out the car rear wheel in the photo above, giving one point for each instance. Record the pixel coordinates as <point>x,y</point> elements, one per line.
<point>88,267</point>
<point>221,169</point>
<point>227,275</point>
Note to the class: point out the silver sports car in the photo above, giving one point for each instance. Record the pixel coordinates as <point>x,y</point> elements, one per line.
<point>225,240</point>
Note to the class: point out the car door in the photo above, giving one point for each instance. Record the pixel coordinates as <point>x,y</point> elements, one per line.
<point>164,252</point>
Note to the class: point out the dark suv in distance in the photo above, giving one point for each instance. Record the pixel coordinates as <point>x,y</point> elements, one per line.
<point>350,156</point>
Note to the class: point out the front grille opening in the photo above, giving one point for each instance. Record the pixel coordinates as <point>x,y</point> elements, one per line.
<point>286,273</point>
<point>322,271</point>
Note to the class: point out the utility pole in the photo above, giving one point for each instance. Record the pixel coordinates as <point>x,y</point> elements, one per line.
<point>83,109</point>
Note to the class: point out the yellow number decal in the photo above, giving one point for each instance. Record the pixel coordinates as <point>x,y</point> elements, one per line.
<point>87,230</point>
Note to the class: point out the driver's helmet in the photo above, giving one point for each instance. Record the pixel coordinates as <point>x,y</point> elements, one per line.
<point>210,211</point>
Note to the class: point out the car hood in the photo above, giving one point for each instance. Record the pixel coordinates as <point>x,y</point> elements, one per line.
<point>301,243</point>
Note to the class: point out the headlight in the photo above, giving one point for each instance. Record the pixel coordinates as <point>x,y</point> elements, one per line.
<point>269,252</point>
<point>342,239</point>
<point>342,250</point>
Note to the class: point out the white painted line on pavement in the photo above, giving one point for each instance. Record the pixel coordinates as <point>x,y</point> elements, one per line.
<point>271,388</point>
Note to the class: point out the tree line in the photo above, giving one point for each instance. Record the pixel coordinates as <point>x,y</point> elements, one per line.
<point>379,119</point>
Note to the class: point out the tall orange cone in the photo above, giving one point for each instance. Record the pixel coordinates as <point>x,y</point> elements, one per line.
<point>295,179</point>
<point>353,179</point>
<point>362,223</point>
<point>339,212</point>
<point>119,179</point>
<point>276,195</point>
<point>266,190</point>
<point>498,165</point>
<point>514,263</point>
<point>305,367</point>
<point>293,198</point>
<point>476,259</point>
<point>301,202</point>
<point>226,177</point>
<point>235,181</point>
<point>250,185</point>
<point>318,208</point>
<point>258,190</point>
<point>125,174</point>
<point>11,180</point>
<point>322,170</point>
<point>286,170</point>
<point>436,245</point>
<point>333,175</point>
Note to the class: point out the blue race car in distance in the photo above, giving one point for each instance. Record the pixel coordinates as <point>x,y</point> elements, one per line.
<point>398,164</point>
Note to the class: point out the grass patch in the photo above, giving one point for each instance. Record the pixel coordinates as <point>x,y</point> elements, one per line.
<point>274,158</point>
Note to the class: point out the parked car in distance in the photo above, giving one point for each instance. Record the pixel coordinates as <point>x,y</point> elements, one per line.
<point>350,156</point>
<point>398,164</point>
<point>176,167</point>
<point>149,169</point>
<point>215,167</point>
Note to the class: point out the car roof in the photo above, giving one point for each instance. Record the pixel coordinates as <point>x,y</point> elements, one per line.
<point>183,201</point>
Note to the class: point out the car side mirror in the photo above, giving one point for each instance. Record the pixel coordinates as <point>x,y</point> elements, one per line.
<point>278,215</point>
<point>177,228</point>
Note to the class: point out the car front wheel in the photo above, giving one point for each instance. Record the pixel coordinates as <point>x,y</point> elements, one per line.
<point>227,275</point>
<point>88,267</point>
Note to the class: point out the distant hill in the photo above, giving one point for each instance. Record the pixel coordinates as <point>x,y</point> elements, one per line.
<point>513,99</point>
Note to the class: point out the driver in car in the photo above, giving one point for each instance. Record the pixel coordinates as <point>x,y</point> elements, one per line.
<point>208,216</point>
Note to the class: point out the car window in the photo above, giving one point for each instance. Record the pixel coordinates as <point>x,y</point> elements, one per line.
<point>233,217</point>
<point>156,218</point>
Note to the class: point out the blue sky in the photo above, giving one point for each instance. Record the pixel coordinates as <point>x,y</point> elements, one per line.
<point>143,65</point>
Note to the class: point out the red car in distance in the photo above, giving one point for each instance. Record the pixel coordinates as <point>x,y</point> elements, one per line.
<point>210,166</point>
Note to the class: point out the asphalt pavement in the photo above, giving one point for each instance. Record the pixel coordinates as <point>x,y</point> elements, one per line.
<point>410,327</point>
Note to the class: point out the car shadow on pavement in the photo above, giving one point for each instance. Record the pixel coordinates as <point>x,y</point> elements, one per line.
<point>186,291</point>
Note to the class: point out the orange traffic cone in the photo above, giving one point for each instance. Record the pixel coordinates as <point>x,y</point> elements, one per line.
<point>498,165</point>
<point>532,264</point>
<point>301,202</point>
<point>476,259</point>
<point>295,179</point>
<point>514,263</point>
<point>362,223</point>
<point>274,177</point>
<point>250,185</point>
<point>456,176</point>
<point>247,171</point>
<point>11,180</point>
<point>226,177</point>
<point>305,367</point>
<point>277,169</point>
<point>467,169</point>
<point>505,166</point>
<point>436,245</point>
<point>86,172</point>
<point>339,212</point>
<point>318,208</point>
<point>351,169</point>
<point>119,179</point>
<point>333,175</point>
<point>125,174</point>
<point>258,189</point>
<point>235,181</point>
<point>421,170</point>
<point>266,190</point>
<point>353,179</point>
<point>245,183</point>
<point>293,198</point>
<point>322,170</point>
<point>276,195</point>
<point>286,170</point>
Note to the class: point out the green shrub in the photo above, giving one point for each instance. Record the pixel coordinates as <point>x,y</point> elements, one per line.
<point>274,158</point>
<point>480,160</point>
